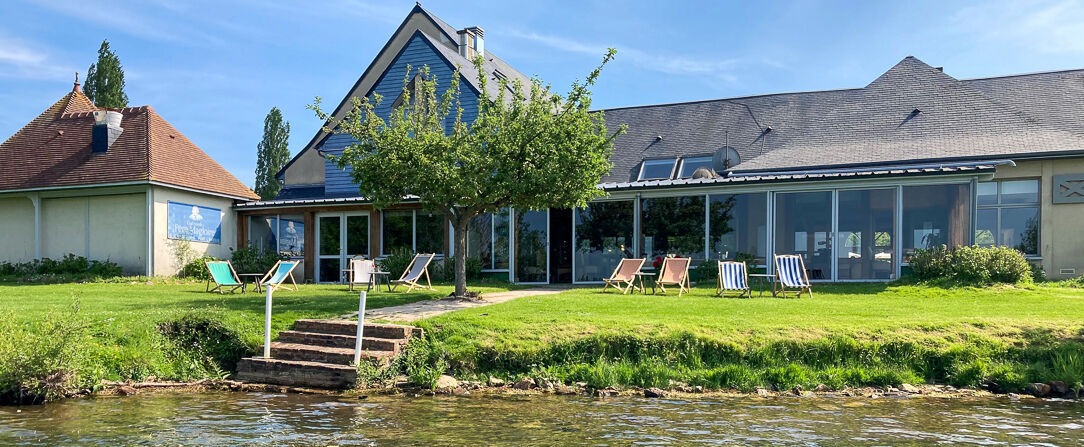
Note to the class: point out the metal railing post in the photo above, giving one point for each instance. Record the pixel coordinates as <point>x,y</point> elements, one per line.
<point>361,329</point>
<point>267,324</point>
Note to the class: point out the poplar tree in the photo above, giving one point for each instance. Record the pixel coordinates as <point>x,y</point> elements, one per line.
<point>272,154</point>
<point>105,80</point>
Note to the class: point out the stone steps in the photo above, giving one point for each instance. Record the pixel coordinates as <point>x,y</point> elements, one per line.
<point>320,353</point>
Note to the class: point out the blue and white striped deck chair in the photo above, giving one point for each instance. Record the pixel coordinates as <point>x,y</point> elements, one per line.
<point>790,274</point>
<point>276,278</point>
<point>733,276</point>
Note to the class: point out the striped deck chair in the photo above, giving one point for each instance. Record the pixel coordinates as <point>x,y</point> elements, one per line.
<point>790,273</point>
<point>733,276</point>
<point>674,272</point>
<point>412,276</point>
<point>624,275</point>
<point>224,276</point>
<point>276,277</point>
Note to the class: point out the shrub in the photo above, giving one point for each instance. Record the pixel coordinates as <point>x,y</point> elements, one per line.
<point>76,267</point>
<point>440,270</point>
<point>397,262</point>
<point>197,268</point>
<point>40,361</point>
<point>204,335</point>
<point>972,265</point>
<point>252,259</point>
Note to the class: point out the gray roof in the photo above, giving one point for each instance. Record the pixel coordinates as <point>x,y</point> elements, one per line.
<point>873,125</point>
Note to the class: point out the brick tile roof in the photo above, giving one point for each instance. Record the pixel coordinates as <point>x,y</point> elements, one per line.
<point>54,150</point>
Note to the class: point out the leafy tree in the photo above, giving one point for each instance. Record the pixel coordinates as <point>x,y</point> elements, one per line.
<point>105,80</point>
<point>529,148</point>
<point>272,154</point>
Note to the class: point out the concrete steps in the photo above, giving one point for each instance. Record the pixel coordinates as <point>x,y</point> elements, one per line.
<point>319,353</point>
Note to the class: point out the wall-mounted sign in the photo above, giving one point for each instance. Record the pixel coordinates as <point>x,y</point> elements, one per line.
<point>1069,188</point>
<point>193,222</point>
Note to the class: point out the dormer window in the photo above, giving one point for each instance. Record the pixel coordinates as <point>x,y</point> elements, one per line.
<point>657,169</point>
<point>690,165</point>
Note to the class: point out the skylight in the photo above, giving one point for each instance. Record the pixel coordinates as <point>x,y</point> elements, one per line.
<point>690,165</point>
<point>657,169</point>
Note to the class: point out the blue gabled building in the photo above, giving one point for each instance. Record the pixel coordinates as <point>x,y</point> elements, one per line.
<point>852,179</point>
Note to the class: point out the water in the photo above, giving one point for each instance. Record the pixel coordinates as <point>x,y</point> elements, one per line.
<point>219,418</point>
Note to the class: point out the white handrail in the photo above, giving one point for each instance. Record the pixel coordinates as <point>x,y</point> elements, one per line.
<point>267,324</point>
<point>361,328</point>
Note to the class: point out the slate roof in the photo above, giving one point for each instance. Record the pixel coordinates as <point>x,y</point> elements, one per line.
<point>53,150</point>
<point>873,125</point>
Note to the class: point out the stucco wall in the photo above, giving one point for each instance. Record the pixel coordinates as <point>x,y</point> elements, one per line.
<point>164,259</point>
<point>16,229</point>
<point>102,227</point>
<point>1061,234</point>
<point>308,169</point>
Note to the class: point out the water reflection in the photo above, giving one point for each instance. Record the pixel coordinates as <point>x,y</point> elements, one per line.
<point>260,418</point>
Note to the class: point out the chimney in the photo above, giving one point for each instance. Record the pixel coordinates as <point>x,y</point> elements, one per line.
<point>106,130</point>
<point>472,42</point>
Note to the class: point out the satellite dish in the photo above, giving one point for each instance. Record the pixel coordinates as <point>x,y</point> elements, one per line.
<point>724,159</point>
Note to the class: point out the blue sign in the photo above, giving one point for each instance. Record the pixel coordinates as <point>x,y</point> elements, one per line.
<point>194,223</point>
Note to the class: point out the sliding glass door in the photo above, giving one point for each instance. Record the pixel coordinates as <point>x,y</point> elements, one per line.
<point>339,237</point>
<point>866,236</point>
<point>532,246</point>
<point>803,226</point>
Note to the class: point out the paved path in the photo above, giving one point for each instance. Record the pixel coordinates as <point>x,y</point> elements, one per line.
<point>425,309</point>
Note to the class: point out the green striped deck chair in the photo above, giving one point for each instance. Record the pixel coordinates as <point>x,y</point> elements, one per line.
<point>276,278</point>
<point>224,276</point>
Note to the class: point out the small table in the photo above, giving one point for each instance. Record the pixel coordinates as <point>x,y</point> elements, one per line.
<point>764,278</point>
<point>255,280</point>
<point>639,277</point>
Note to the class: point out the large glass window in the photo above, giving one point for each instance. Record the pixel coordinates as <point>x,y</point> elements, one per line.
<point>739,227</point>
<point>657,169</point>
<point>1008,215</point>
<point>604,232</point>
<point>487,240</point>
<point>532,246</point>
<point>285,233</point>
<point>690,165</point>
<point>429,232</point>
<point>803,226</point>
<point>935,215</point>
<point>865,242</point>
<point>672,226</point>
<point>397,231</point>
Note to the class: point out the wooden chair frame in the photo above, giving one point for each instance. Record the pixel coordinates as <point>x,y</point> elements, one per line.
<point>682,283</point>
<point>622,284</point>
<point>219,286</point>
<point>416,283</point>
<point>808,287</point>
<point>720,290</point>
<point>281,284</point>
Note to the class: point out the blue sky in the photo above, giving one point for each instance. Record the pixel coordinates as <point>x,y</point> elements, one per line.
<point>214,69</point>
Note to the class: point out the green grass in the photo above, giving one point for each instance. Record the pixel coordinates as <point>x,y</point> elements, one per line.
<point>164,329</point>
<point>847,335</point>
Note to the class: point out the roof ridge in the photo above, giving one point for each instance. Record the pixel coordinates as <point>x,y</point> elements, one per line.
<point>732,98</point>
<point>1018,75</point>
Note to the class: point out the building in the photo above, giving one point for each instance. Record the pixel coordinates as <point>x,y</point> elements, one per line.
<point>852,179</point>
<point>112,184</point>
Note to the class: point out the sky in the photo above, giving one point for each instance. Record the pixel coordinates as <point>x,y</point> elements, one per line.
<point>215,68</point>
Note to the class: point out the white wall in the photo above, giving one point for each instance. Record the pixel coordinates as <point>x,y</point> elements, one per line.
<point>164,259</point>
<point>101,227</point>
<point>16,229</point>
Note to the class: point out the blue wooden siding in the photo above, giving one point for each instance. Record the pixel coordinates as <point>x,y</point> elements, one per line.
<point>417,53</point>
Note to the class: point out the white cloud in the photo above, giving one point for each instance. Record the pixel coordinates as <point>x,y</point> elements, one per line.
<point>1043,26</point>
<point>20,59</point>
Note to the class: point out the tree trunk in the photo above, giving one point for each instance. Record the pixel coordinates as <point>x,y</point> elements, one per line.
<point>461,257</point>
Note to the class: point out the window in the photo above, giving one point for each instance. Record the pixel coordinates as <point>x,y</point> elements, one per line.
<point>285,233</point>
<point>690,165</point>
<point>803,226</point>
<point>603,238</point>
<point>935,215</point>
<point>487,240</point>
<point>1008,215</point>
<point>739,227</point>
<point>672,226</point>
<point>657,169</point>
<point>413,230</point>
<point>865,247</point>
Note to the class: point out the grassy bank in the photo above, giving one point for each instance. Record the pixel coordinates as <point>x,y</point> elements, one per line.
<point>58,337</point>
<point>999,337</point>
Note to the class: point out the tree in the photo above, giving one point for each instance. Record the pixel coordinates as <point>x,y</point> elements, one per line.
<point>528,148</point>
<point>105,80</point>
<point>272,154</point>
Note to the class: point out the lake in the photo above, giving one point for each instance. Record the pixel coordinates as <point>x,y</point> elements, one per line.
<point>233,418</point>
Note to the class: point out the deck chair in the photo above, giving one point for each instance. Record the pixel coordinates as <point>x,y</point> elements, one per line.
<point>674,272</point>
<point>362,272</point>
<point>224,276</point>
<point>790,274</point>
<point>276,277</point>
<point>624,276</point>
<point>412,276</point>
<point>733,276</point>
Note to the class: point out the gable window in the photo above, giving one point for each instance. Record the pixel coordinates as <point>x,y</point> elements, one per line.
<point>690,165</point>
<point>657,169</point>
<point>1008,215</point>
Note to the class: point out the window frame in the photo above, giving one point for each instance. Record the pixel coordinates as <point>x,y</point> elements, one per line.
<point>644,163</point>
<point>685,160</point>
<point>413,234</point>
<point>998,206</point>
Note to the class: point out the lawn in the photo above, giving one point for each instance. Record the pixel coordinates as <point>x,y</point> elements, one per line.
<point>848,334</point>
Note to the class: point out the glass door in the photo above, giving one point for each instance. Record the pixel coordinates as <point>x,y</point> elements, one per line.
<point>866,236</point>
<point>532,246</point>
<point>339,237</point>
<point>803,226</point>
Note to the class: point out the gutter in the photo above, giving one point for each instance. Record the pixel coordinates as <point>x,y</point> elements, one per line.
<point>938,166</point>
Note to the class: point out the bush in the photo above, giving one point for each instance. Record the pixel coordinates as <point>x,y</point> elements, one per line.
<point>197,268</point>
<point>253,259</point>
<point>440,270</point>
<point>40,361</point>
<point>77,267</point>
<point>203,335</point>
<point>397,262</point>
<point>972,265</point>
